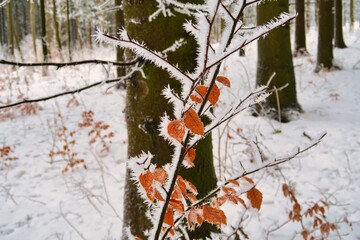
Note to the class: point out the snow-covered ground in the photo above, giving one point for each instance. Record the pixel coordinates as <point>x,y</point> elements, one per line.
<point>37,201</point>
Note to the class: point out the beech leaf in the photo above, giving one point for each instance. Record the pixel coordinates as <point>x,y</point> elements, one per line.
<point>255,197</point>
<point>169,217</point>
<point>214,215</point>
<point>214,93</point>
<point>224,80</point>
<point>189,158</point>
<point>160,175</point>
<point>176,129</point>
<point>193,122</point>
<point>146,179</point>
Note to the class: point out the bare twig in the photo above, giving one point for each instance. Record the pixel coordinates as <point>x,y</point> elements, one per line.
<point>60,65</point>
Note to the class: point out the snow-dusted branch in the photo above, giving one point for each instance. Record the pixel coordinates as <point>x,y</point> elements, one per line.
<point>140,49</point>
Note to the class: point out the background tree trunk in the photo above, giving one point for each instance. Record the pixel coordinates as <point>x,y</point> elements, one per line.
<point>56,29</point>
<point>145,105</point>
<point>339,39</point>
<point>33,26</point>
<point>274,55</point>
<point>43,31</point>
<point>11,28</point>
<point>326,33</point>
<point>68,29</point>
<point>119,23</point>
<point>352,13</point>
<point>300,38</point>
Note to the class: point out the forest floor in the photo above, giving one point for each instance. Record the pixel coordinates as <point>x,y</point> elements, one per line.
<point>40,199</point>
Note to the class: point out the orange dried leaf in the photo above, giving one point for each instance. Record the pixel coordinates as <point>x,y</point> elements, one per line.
<point>214,215</point>
<point>255,197</point>
<point>160,175</point>
<point>177,193</point>
<point>229,190</point>
<point>191,197</point>
<point>150,193</point>
<point>196,98</point>
<point>224,80</point>
<point>249,180</point>
<point>214,93</point>
<point>193,122</point>
<point>195,217</point>
<point>169,217</point>
<point>176,129</point>
<point>190,157</point>
<point>305,234</point>
<point>158,196</point>
<point>146,179</point>
<point>236,183</point>
<point>182,185</point>
<point>177,205</point>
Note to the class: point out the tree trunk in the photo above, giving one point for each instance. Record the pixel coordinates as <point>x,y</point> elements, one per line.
<point>326,33</point>
<point>68,29</point>
<point>145,106</point>
<point>352,15</point>
<point>119,18</point>
<point>43,31</point>
<point>11,28</point>
<point>33,26</point>
<point>2,27</point>
<point>56,29</point>
<point>300,39</point>
<point>274,56</point>
<point>339,39</point>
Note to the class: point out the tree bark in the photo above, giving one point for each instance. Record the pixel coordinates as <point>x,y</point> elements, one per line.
<point>11,28</point>
<point>56,29</point>
<point>339,38</point>
<point>274,56</point>
<point>119,18</point>
<point>145,106</point>
<point>33,26</point>
<point>300,38</point>
<point>326,33</point>
<point>68,29</point>
<point>352,13</point>
<point>43,31</point>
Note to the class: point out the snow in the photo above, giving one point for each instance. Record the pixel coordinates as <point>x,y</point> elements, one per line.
<point>37,201</point>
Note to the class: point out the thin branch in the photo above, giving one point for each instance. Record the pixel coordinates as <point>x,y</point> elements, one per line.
<point>60,65</point>
<point>61,94</point>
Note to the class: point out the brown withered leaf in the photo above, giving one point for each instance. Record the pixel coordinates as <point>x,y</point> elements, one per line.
<point>146,179</point>
<point>177,205</point>
<point>214,93</point>
<point>255,197</point>
<point>190,157</point>
<point>214,215</point>
<point>193,122</point>
<point>224,80</point>
<point>160,175</point>
<point>176,129</point>
<point>169,217</point>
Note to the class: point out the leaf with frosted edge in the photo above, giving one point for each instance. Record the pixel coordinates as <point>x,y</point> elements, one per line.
<point>176,129</point>
<point>193,122</point>
<point>160,175</point>
<point>214,215</point>
<point>189,158</point>
<point>214,93</point>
